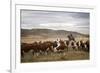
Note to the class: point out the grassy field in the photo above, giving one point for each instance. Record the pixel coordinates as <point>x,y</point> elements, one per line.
<point>64,56</point>
<point>30,39</point>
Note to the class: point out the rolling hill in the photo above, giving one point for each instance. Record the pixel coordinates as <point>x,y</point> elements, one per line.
<point>49,33</point>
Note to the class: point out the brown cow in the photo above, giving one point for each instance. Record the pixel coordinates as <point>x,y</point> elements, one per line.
<point>25,48</point>
<point>61,47</point>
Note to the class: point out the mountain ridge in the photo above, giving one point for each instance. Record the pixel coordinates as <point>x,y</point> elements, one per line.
<point>50,33</point>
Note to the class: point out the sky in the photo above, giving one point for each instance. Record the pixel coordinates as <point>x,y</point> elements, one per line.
<point>56,20</point>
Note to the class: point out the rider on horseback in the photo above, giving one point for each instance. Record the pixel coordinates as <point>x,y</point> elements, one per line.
<point>71,37</point>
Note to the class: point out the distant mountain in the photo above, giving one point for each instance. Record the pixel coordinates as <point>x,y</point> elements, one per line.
<point>49,33</point>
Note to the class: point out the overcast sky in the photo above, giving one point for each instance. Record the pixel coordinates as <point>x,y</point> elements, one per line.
<point>70,21</point>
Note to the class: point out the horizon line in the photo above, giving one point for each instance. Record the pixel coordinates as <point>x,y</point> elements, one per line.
<point>55,30</point>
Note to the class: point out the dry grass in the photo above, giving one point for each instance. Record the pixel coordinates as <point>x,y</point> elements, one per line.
<point>65,56</point>
<point>31,39</point>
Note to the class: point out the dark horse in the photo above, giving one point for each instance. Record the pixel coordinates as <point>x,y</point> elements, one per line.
<point>71,37</point>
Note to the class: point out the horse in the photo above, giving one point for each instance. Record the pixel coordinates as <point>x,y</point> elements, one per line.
<point>70,37</point>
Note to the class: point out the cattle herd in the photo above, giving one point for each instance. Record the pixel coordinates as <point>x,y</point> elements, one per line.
<point>58,46</point>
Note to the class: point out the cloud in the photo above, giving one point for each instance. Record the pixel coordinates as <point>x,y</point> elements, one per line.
<point>58,20</point>
<point>57,25</point>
